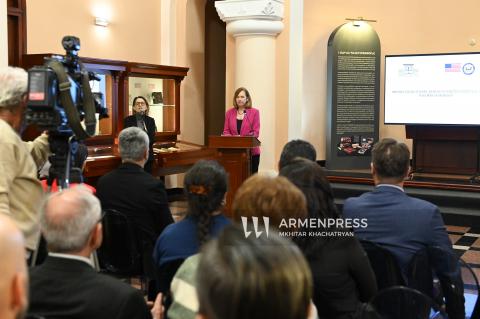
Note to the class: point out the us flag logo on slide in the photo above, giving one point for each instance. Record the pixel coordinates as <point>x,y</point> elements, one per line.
<point>453,67</point>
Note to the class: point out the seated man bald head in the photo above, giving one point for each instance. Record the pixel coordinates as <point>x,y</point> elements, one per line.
<point>13,271</point>
<point>66,285</point>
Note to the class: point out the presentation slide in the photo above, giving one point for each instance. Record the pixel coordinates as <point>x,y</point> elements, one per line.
<point>433,89</point>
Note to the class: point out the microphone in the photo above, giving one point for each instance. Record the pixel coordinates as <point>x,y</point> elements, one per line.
<point>251,133</point>
<point>140,116</point>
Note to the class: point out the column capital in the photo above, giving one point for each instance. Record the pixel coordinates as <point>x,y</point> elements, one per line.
<point>252,17</point>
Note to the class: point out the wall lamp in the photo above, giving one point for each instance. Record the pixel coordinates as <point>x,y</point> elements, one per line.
<point>101,22</point>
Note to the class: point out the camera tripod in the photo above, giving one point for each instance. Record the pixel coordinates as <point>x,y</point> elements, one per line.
<point>63,148</point>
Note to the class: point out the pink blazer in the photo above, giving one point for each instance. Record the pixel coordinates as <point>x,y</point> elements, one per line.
<point>250,125</point>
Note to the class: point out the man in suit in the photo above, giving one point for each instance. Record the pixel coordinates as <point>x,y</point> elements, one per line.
<point>400,223</point>
<point>13,271</point>
<point>66,285</point>
<point>135,193</point>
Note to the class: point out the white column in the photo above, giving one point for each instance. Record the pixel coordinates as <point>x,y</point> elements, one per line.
<point>3,34</point>
<point>255,25</point>
<point>295,73</point>
<point>167,32</point>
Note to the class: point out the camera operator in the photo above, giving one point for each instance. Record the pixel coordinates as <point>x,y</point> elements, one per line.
<point>20,190</point>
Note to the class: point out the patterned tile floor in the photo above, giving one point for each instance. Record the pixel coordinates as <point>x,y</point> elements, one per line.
<point>466,243</point>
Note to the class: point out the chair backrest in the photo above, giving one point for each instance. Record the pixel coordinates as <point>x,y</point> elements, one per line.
<point>120,253</point>
<point>384,265</point>
<point>402,302</point>
<point>165,274</point>
<point>421,276</point>
<point>439,265</point>
<point>471,291</point>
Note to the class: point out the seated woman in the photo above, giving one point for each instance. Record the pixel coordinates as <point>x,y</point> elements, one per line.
<point>259,196</point>
<point>342,275</point>
<point>205,186</point>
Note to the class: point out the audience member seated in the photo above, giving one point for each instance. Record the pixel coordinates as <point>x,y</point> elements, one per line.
<point>396,221</point>
<point>259,196</point>
<point>137,194</point>
<point>399,223</point>
<point>66,285</point>
<point>296,148</point>
<point>13,271</point>
<point>266,196</point>
<point>205,186</point>
<point>342,276</point>
<point>255,278</point>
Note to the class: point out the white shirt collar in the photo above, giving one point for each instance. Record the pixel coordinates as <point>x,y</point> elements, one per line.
<point>74,257</point>
<point>390,185</point>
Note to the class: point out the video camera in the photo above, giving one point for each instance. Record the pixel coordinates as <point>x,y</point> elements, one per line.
<point>59,99</point>
<point>59,94</point>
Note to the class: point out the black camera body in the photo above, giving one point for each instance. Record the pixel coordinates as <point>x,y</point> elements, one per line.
<point>59,95</point>
<point>59,100</point>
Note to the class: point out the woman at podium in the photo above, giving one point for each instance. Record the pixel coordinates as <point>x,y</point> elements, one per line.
<point>243,120</point>
<point>141,120</point>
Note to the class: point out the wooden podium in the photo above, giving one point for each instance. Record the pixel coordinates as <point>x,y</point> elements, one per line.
<point>233,153</point>
<point>445,149</point>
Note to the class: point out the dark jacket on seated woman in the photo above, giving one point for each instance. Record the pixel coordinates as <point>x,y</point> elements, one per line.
<point>179,241</point>
<point>342,276</point>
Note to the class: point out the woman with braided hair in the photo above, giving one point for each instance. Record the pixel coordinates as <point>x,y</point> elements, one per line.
<point>205,186</point>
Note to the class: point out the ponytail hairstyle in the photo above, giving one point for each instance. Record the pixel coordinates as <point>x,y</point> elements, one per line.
<point>205,186</point>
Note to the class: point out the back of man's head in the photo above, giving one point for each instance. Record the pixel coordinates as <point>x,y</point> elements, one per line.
<point>390,160</point>
<point>13,86</point>
<point>297,148</point>
<point>68,220</point>
<point>13,271</point>
<point>132,144</point>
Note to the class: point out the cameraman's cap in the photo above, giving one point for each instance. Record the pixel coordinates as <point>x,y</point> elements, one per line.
<point>13,86</point>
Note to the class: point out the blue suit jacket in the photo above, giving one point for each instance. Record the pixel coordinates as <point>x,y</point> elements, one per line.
<point>400,223</point>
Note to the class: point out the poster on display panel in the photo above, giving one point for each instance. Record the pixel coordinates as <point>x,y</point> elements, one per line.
<point>353,91</point>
